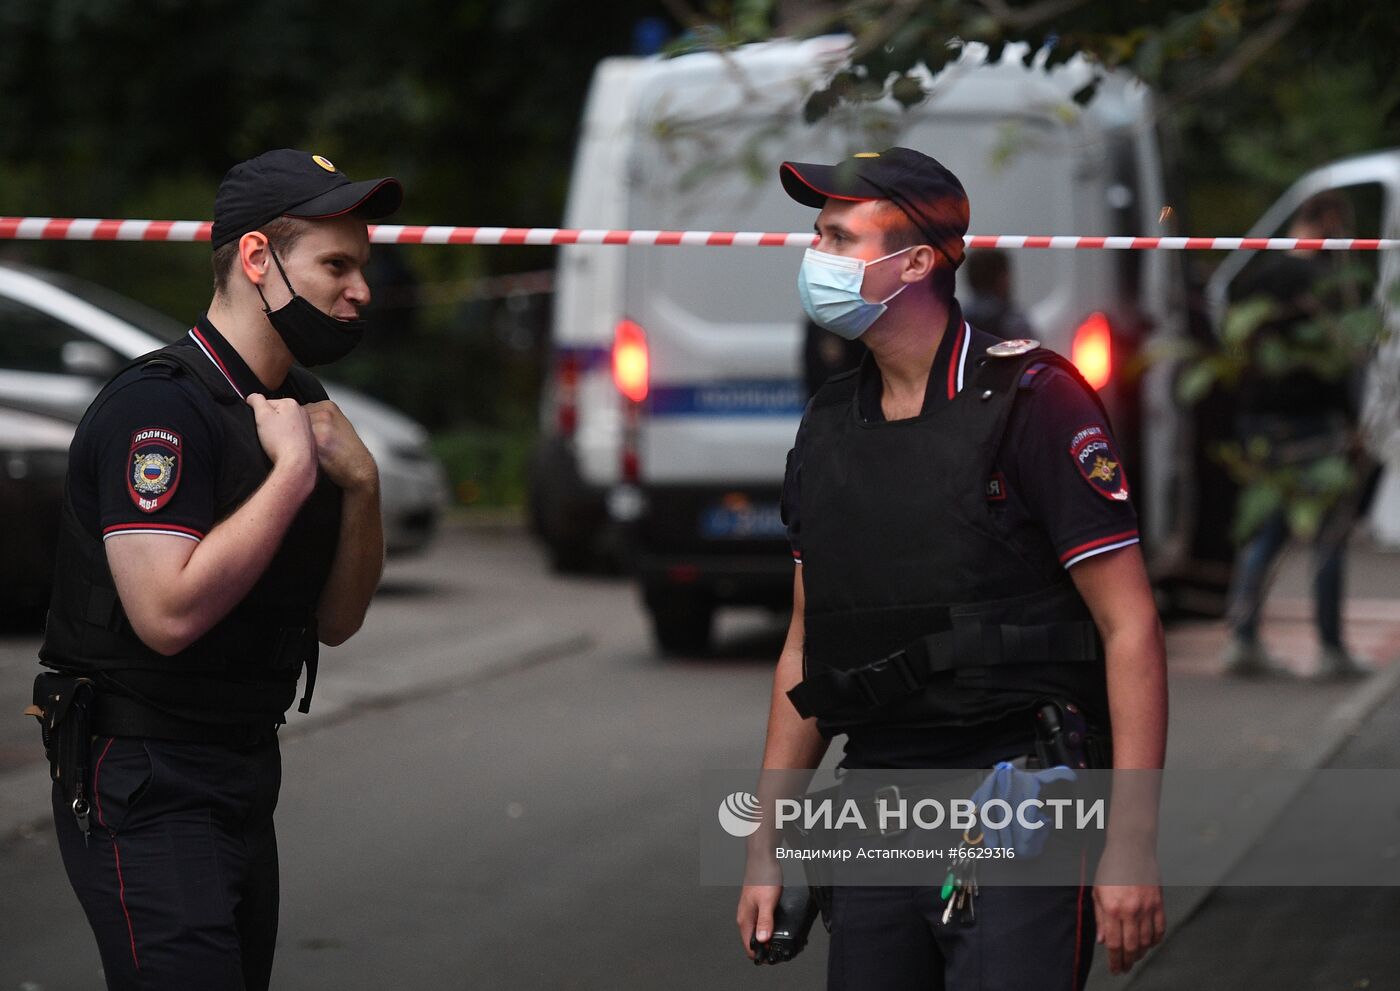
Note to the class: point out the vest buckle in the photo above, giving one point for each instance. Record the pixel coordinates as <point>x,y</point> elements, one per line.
<point>899,660</point>
<point>876,685</point>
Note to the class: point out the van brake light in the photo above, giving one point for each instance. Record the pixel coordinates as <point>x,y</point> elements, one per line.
<point>630,361</point>
<point>1092,351</point>
<point>566,409</point>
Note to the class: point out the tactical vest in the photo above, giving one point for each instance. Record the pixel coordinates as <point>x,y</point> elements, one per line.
<point>921,609</point>
<point>244,669</point>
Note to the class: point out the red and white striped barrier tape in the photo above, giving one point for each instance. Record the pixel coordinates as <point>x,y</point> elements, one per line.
<point>70,229</point>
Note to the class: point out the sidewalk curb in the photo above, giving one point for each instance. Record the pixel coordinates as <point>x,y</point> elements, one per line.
<point>1341,724</point>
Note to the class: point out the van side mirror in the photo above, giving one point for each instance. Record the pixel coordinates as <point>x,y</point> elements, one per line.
<point>88,359</point>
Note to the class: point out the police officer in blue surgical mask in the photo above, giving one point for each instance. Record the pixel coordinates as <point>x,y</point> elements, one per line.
<point>222,521</point>
<point>952,469</point>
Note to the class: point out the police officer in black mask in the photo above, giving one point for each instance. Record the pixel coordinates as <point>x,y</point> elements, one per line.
<point>222,521</point>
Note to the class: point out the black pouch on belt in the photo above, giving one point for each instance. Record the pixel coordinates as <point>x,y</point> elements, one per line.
<point>64,705</point>
<point>1063,737</point>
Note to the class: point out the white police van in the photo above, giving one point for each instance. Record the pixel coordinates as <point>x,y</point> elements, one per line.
<point>675,391</point>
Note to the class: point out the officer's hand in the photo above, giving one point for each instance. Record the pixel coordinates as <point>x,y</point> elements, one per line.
<point>284,431</point>
<point>756,904</point>
<point>1130,916</point>
<point>343,456</point>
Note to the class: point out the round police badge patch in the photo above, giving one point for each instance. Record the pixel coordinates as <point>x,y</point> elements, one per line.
<point>1099,463</point>
<point>153,467</point>
<point>1010,349</point>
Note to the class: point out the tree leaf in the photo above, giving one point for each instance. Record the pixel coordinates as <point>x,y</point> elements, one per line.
<point>1244,318</point>
<point>1256,504</point>
<point>1305,516</point>
<point>908,91</point>
<point>1195,383</point>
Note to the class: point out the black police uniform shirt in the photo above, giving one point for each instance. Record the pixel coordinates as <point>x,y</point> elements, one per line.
<point>147,463</point>
<point>151,459</point>
<point>1058,478</point>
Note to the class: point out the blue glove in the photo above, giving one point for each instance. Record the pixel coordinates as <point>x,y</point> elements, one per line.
<point>1015,786</point>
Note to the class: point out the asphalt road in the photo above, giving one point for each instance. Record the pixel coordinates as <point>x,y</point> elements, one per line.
<point>521,820</point>
<point>494,791</point>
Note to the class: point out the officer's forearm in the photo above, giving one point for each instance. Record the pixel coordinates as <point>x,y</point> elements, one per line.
<point>359,562</point>
<point>793,746</point>
<point>793,742</point>
<point>199,586</point>
<point>1137,693</point>
<point>1116,590</point>
<point>1137,700</point>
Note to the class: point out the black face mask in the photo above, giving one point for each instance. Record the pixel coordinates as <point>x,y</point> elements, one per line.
<point>313,337</point>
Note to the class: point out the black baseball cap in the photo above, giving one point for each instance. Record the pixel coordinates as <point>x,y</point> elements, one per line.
<point>291,183</point>
<point>931,197</point>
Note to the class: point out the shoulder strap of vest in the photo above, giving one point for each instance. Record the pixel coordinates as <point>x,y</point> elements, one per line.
<point>837,390</point>
<point>198,367</point>
<point>1001,377</point>
<point>175,361</point>
<point>1056,360</point>
<point>307,387</point>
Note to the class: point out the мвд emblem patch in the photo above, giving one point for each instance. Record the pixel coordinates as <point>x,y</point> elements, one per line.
<point>1099,463</point>
<point>153,467</point>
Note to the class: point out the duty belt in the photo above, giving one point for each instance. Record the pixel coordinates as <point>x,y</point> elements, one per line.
<point>913,667</point>
<point>118,715</point>
<point>104,609</point>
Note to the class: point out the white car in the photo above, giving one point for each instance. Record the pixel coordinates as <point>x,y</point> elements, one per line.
<point>61,338</point>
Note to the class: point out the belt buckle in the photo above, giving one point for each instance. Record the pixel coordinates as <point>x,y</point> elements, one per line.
<point>891,794</point>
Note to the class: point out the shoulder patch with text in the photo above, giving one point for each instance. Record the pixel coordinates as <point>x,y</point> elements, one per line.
<point>153,467</point>
<point>1099,463</point>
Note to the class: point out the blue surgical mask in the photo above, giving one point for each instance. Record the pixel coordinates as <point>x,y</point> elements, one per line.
<point>829,286</point>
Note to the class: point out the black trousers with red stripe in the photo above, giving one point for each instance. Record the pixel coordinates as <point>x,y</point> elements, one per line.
<point>179,875</point>
<point>1021,939</point>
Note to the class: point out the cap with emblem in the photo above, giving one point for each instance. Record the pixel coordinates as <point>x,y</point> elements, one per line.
<point>291,183</point>
<point>931,197</point>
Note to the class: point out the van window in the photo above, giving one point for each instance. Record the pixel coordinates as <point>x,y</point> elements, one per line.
<point>1354,273</point>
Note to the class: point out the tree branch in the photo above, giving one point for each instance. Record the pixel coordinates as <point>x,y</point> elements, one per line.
<point>685,15</point>
<point>884,28</point>
<point>1007,16</point>
<point>1250,50</point>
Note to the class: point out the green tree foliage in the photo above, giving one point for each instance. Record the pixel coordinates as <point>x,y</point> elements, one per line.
<point>135,108</point>
<point>1332,346</point>
<point>1253,91</point>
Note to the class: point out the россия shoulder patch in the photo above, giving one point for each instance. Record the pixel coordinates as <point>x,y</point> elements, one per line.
<point>1099,463</point>
<point>153,467</point>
